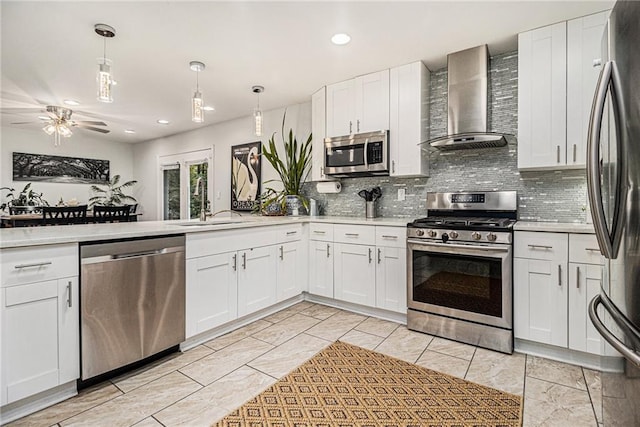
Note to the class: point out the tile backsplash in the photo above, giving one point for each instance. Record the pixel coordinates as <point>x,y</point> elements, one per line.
<point>543,196</point>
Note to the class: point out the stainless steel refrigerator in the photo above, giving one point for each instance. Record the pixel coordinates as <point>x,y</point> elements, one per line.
<point>613,178</point>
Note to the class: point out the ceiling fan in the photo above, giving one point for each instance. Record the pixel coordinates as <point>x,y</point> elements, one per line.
<point>59,123</point>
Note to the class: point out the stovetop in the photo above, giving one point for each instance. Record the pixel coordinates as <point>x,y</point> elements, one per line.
<point>463,223</point>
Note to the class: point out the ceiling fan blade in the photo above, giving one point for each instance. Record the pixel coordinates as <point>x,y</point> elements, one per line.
<point>24,123</point>
<point>94,129</point>
<point>20,110</point>
<point>89,122</point>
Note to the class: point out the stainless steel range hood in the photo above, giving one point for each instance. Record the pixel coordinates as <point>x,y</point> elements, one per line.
<point>467,103</point>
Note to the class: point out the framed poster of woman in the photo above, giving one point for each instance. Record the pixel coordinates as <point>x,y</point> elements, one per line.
<point>245,176</point>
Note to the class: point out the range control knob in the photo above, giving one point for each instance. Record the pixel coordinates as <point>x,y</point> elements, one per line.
<point>453,234</point>
<point>475,235</point>
<point>433,233</point>
<point>419,232</point>
<point>445,237</point>
<point>491,237</point>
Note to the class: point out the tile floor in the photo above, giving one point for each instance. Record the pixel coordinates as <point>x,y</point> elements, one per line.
<point>200,386</point>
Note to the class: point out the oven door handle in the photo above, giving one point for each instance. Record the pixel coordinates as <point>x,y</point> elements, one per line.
<point>492,248</point>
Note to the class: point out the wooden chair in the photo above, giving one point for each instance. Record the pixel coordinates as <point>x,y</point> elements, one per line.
<point>102,214</point>
<point>64,215</point>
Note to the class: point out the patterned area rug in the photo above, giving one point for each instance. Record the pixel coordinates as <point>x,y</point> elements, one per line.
<point>347,386</point>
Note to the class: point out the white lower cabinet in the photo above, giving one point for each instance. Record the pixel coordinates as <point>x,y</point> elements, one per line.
<point>39,337</point>
<point>256,279</point>
<point>391,278</point>
<point>321,268</point>
<point>212,292</point>
<point>355,274</point>
<point>555,277</point>
<point>290,272</point>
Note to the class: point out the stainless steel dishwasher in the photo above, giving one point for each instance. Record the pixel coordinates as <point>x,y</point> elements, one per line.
<point>132,301</point>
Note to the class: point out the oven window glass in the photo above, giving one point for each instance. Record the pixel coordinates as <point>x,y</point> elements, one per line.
<point>352,155</point>
<point>469,283</point>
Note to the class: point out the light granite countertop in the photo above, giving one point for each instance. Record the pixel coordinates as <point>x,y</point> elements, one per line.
<point>33,236</point>
<point>558,227</point>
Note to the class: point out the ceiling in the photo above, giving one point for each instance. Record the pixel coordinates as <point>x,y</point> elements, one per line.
<point>50,52</point>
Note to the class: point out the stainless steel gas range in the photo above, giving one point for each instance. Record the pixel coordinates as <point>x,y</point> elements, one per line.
<point>459,268</point>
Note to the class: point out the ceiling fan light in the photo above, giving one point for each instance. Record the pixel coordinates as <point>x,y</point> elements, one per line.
<point>49,129</point>
<point>105,83</point>
<point>197,107</point>
<point>64,131</point>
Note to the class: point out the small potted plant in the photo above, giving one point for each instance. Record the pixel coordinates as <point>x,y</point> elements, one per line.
<point>292,166</point>
<point>26,201</point>
<point>113,194</point>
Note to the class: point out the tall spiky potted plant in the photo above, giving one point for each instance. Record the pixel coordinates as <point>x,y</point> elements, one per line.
<point>293,167</point>
<point>113,194</point>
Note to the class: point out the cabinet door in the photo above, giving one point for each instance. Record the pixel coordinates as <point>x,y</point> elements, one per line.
<point>540,298</point>
<point>340,108</point>
<point>391,278</point>
<point>584,54</point>
<point>318,130</point>
<point>290,267</point>
<point>30,354</point>
<point>408,119</point>
<point>355,274</point>
<point>372,102</point>
<point>256,279</point>
<point>542,91</point>
<point>211,293</point>
<point>321,268</point>
<point>584,284</point>
<point>68,329</point>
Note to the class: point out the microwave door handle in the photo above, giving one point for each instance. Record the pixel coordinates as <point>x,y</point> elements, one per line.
<point>593,161</point>
<point>366,153</point>
<point>627,352</point>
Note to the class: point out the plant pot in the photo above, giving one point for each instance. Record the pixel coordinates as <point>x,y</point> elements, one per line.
<point>21,210</point>
<point>294,206</point>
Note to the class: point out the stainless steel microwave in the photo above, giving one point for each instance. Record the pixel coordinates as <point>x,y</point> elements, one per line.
<point>362,154</point>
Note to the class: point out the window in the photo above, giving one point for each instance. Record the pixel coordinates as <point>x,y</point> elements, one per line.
<point>179,174</point>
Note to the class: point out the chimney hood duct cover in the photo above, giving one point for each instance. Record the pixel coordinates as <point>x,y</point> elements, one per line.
<point>467,103</point>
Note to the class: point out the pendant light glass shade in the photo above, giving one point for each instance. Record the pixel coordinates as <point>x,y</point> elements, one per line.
<point>197,103</point>
<point>257,113</point>
<point>104,77</point>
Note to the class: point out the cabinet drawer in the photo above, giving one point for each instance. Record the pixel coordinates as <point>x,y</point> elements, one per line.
<point>583,248</point>
<point>394,237</point>
<point>540,245</point>
<point>358,234</point>
<point>288,233</point>
<point>38,263</point>
<point>321,231</point>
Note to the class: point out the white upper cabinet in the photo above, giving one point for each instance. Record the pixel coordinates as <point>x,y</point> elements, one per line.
<point>558,68</point>
<point>358,105</point>
<point>408,119</point>
<point>542,102</point>
<point>584,54</point>
<point>318,130</point>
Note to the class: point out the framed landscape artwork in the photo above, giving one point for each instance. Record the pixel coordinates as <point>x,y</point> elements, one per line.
<point>47,168</point>
<point>245,176</point>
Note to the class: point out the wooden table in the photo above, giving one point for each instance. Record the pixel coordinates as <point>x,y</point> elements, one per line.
<point>34,220</point>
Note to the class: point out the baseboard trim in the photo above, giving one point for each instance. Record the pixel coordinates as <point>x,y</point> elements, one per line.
<point>357,308</point>
<point>573,357</point>
<point>31,404</point>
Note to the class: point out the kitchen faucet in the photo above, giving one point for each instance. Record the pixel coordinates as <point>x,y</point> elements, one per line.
<point>203,198</point>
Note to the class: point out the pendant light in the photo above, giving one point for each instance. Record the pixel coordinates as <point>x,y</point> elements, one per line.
<point>197,103</point>
<point>105,79</point>
<point>257,113</point>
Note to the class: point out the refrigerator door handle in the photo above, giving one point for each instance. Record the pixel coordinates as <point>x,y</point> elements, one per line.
<point>628,329</point>
<point>609,242</point>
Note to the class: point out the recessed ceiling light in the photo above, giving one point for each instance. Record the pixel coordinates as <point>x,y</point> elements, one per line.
<point>129,131</point>
<point>340,39</point>
<point>208,108</point>
<point>71,102</point>
<point>163,122</point>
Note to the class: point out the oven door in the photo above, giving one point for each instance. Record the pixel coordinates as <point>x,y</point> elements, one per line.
<point>465,281</point>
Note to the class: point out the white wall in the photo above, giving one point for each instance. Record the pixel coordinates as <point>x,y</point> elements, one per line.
<point>220,136</point>
<point>35,141</point>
